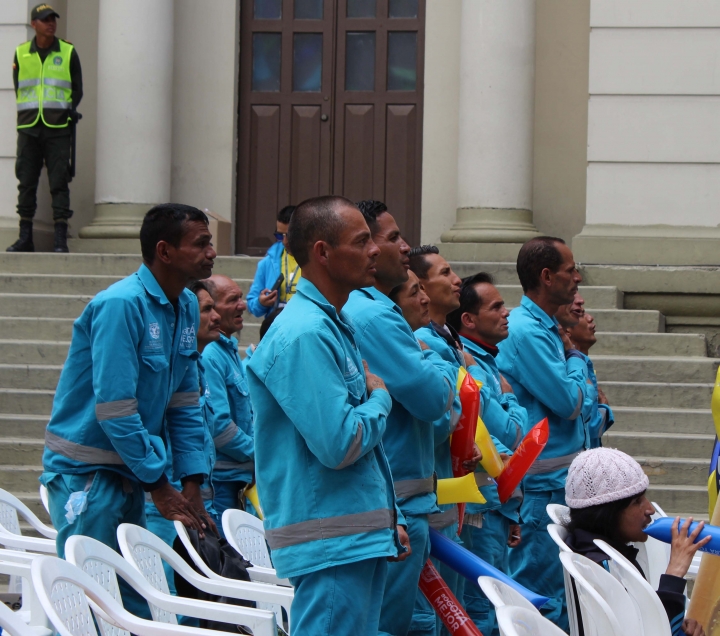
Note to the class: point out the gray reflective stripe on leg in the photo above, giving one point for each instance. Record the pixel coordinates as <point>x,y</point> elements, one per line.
<point>119,408</point>
<point>409,487</point>
<point>578,408</point>
<point>179,400</point>
<point>226,436</point>
<point>80,453</point>
<point>353,452</point>
<point>441,520</point>
<point>542,466</point>
<point>235,465</point>
<point>207,494</point>
<point>330,528</point>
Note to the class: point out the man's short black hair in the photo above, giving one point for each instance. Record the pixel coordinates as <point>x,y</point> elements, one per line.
<point>371,210</point>
<point>196,286</point>
<point>285,214</point>
<point>166,222</point>
<point>536,255</point>
<point>315,220</point>
<point>418,263</point>
<point>470,300</point>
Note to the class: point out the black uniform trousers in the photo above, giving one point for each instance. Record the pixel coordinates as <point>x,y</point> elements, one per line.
<point>51,147</point>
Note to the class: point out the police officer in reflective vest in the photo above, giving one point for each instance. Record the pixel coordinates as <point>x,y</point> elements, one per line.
<point>48,88</point>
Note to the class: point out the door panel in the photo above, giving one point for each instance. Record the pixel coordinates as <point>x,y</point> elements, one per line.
<point>401,161</point>
<point>306,153</point>
<point>357,161</point>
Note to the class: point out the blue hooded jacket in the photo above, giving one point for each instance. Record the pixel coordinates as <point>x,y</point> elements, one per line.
<point>267,273</point>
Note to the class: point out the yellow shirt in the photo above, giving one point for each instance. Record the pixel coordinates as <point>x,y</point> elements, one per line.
<point>292,273</point>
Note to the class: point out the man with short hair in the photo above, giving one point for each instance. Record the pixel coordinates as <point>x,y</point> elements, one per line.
<point>48,88</point>
<point>129,383</point>
<point>489,529</point>
<point>232,426</point>
<point>261,299</point>
<point>322,475</point>
<point>422,387</point>
<point>548,376</point>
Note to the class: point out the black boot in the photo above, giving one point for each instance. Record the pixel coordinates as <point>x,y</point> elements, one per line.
<point>60,238</point>
<point>25,242</point>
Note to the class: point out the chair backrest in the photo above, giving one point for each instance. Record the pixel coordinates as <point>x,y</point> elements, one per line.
<point>599,617</point>
<point>558,513</point>
<point>520,621</point>
<point>652,613</point>
<point>10,506</point>
<point>558,534</point>
<point>246,534</point>
<point>12,624</point>
<point>17,565</point>
<point>44,498</point>
<point>193,553</point>
<point>501,594</point>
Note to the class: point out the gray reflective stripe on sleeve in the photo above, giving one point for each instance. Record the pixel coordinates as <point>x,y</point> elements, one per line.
<point>441,520</point>
<point>353,452</point>
<point>80,453</point>
<point>148,497</point>
<point>451,395</point>
<point>603,421</point>
<point>330,528</point>
<point>31,82</point>
<point>226,436</point>
<point>484,480</point>
<point>454,419</point>
<point>119,408</point>
<point>50,81</point>
<point>56,105</point>
<point>235,465</point>
<point>475,520</point>
<point>409,487</point>
<point>542,466</point>
<point>28,106</point>
<point>207,494</point>
<point>578,407</point>
<point>179,400</point>
<point>518,437</point>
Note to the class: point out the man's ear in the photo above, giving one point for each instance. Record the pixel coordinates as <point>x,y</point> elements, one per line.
<point>467,321</point>
<point>162,252</point>
<point>321,251</point>
<point>546,277</point>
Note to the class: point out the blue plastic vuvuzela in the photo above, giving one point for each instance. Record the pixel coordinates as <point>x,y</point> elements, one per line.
<point>660,529</point>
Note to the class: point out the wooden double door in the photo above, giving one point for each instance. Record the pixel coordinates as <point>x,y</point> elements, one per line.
<point>330,103</point>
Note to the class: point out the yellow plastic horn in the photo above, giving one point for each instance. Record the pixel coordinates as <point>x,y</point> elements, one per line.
<point>462,372</point>
<point>490,461</point>
<point>459,490</point>
<point>254,499</point>
<point>715,404</point>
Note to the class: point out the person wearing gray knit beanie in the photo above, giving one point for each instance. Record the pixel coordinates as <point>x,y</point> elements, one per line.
<point>605,491</point>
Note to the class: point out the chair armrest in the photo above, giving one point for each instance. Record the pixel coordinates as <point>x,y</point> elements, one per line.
<point>208,610</point>
<point>244,591</point>
<point>47,546</point>
<point>265,575</point>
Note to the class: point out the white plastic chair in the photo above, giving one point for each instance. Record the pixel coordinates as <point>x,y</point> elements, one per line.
<point>17,565</point>
<point>519,621</point>
<point>652,613</point>
<point>604,603</point>
<point>103,564</point>
<point>501,594</point>
<point>558,513</point>
<point>44,498</point>
<point>558,534</point>
<point>10,534</point>
<point>12,624</point>
<point>67,593</point>
<point>146,553</point>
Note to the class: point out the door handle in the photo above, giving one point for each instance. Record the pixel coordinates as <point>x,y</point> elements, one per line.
<point>324,117</point>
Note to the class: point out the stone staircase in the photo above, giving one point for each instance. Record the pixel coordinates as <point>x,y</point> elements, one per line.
<point>658,384</point>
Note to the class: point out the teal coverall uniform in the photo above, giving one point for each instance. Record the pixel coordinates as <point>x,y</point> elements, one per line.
<point>422,387</point>
<point>129,388</point>
<point>549,382</point>
<point>486,526</point>
<point>322,474</point>
<point>232,425</point>
<point>598,417</point>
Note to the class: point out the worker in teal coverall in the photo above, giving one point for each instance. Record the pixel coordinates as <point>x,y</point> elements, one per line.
<point>323,477</point>
<point>422,387</point>
<point>549,378</point>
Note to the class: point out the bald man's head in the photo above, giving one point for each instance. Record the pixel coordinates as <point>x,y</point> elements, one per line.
<point>228,302</point>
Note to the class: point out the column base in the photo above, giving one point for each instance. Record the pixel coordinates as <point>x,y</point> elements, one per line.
<point>116,221</point>
<point>647,245</point>
<point>491,225</point>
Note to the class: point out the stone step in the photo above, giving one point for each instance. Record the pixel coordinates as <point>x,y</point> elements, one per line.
<point>18,425</point>
<point>689,499</point>
<point>622,368</point>
<point>29,376</point>
<point>623,320</point>
<point>595,297</point>
<point>650,344</point>
<point>26,402</point>
<point>648,420</point>
<point>33,351</point>
<point>661,444</point>
<point>502,273</point>
<point>675,471</point>
<point>14,478</point>
<point>32,328</point>
<point>657,394</point>
<point>32,500</point>
<point>21,451</point>
<point>54,305</point>
<point>109,264</point>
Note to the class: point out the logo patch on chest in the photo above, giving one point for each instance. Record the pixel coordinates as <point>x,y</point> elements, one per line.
<point>350,368</point>
<point>154,329</point>
<point>187,339</point>
<point>57,60</point>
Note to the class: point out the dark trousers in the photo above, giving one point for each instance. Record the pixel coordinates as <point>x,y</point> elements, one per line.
<point>54,151</point>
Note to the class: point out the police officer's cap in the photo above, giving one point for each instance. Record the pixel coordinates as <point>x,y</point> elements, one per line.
<point>42,11</point>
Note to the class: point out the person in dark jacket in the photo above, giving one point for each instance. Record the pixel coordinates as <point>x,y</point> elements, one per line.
<point>605,491</point>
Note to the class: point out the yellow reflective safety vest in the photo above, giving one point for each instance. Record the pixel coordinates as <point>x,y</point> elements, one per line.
<point>44,89</point>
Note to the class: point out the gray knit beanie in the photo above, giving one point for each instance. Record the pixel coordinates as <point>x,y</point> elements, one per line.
<point>602,475</point>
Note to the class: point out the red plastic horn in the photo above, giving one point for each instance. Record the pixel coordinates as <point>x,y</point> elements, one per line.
<point>523,457</point>
<point>463,437</point>
<point>445,603</point>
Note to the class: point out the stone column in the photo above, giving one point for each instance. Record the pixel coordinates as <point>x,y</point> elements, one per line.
<point>495,154</point>
<point>134,120</point>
